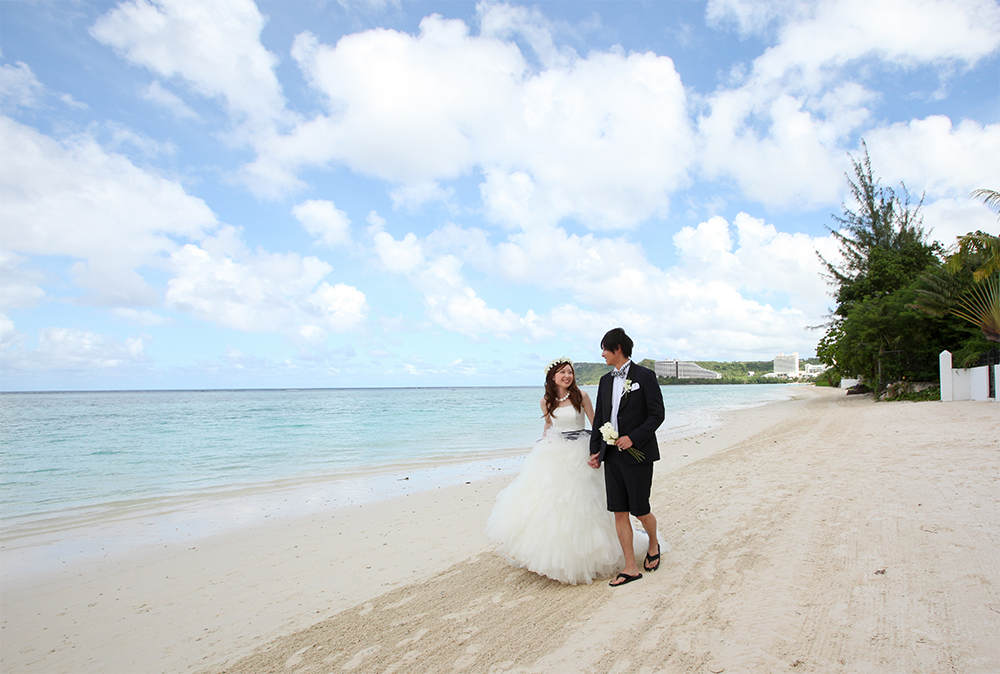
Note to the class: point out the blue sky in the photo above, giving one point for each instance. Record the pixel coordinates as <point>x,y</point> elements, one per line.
<point>341,194</point>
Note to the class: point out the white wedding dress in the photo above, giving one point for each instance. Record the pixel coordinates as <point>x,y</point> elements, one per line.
<point>553,518</point>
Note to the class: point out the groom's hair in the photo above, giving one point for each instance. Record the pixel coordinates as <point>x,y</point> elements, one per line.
<point>615,338</point>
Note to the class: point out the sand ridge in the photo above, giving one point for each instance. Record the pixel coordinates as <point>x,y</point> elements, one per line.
<point>847,539</point>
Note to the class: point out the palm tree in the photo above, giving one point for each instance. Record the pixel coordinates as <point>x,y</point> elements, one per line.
<point>981,306</point>
<point>975,299</point>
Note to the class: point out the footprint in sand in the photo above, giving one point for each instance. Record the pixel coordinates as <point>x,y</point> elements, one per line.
<point>403,664</point>
<point>469,658</point>
<point>412,640</point>
<point>296,657</point>
<point>360,657</point>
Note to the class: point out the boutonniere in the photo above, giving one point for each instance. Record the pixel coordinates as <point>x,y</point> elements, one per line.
<point>628,387</point>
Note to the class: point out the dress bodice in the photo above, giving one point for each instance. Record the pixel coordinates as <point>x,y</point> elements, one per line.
<point>567,419</point>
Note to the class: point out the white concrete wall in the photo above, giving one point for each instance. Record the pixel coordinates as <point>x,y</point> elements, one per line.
<point>971,384</point>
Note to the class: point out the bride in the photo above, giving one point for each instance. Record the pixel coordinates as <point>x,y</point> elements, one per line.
<point>553,518</point>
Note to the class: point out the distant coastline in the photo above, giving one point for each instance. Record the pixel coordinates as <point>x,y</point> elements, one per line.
<point>735,372</point>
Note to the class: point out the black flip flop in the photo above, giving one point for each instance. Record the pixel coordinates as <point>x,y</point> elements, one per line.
<point>652,558</point>
<point>628,579</point>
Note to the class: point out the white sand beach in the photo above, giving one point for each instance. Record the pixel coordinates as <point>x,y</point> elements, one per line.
<point>823,534</point>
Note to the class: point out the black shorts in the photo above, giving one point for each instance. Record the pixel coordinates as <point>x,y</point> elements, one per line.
<point>627,485</point>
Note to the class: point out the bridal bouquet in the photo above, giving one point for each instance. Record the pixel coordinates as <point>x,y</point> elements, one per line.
<point>609,434</point>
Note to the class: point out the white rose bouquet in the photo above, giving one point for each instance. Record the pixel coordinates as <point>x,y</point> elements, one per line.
<point>610,435</point>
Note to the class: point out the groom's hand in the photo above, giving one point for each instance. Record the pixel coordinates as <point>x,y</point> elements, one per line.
<point>624,442</point>
<point>595,461</point>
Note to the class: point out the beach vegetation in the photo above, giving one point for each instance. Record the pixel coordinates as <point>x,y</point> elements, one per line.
<point>828,378</point>
<point>967,287</point>
<point>929,393</point>
<point>876,332</point>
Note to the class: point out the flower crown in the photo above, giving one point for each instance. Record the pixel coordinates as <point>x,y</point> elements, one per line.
<point>557,361</point>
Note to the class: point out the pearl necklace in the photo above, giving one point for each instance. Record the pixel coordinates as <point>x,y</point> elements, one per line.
<point>563,399</point>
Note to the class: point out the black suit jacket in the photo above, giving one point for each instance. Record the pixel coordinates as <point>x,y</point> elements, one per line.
<point>639,414</point>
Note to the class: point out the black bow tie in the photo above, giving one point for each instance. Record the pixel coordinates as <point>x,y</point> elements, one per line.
<point>620,374</point>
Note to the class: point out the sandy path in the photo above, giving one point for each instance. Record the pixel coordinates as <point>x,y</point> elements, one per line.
<point>848,536</point>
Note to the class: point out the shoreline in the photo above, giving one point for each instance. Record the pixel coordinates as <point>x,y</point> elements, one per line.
<point>45,542</point>
<point>66,574</point>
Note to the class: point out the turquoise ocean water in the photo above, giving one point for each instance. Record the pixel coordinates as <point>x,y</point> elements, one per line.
<point>75,457</point>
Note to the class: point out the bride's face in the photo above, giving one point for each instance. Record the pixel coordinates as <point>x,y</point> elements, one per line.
<point>564,376</point>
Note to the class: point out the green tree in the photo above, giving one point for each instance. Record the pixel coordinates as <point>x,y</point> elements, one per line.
<point>968,286</point>
<point>874,331</point>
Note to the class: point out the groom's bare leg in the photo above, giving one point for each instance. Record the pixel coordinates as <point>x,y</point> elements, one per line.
<point>649,524</point>
<point>624,528</point>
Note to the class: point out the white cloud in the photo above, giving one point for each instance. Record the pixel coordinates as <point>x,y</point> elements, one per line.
<point>948,162</point>
<point>324,221</point>
<point>901,32</point>
<point>75,199</point>
<point>947,219</point>
<point>155,93</point>
<point>376,6</point>
<point>414,195</point>
<point>19,85</point>
<point>468,314</point>
<point>604,139</point>
<point>746,286</point>
<point>9,336</point>
<point>401,257</point>
<point>214,46</point>
<point>944,160</point>
<point>77,350</point>
<point>141,316</point>
<point>19,287</point>
<point>281,293</point>
<point>760,261</point>
<point>779,132</point>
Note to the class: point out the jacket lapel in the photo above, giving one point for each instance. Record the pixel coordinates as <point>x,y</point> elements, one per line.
<point>607,381</point>
<point>624,400</point>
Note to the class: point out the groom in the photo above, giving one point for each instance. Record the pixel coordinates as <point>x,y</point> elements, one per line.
<point>629,397</point>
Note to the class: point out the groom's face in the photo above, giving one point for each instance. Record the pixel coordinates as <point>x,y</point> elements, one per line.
<point>613,358</point>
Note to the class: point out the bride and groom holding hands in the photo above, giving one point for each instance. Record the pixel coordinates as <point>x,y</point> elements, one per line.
<point>564,517</point>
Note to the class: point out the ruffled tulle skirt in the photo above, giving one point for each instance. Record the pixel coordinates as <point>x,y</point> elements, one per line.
<point>553,518</point>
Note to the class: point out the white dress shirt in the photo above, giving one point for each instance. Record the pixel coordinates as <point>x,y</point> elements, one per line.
<point>617,387</point>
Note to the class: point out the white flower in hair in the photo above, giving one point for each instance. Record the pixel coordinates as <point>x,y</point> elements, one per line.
<point>557,361</point>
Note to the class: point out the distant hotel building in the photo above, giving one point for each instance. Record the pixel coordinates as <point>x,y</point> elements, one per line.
<point>787,365</point>
<point>683,370</point>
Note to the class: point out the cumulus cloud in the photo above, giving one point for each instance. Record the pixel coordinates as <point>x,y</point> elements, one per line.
<point>9,335</point>
<point>947,162</point>
<point>156,93</point>
<point>916,152</point>
<point>76,199</point>
<point>69,349</point>
<point>222,282</point>
<point>402,256</point>
<point>779,130</point>
<point>19,287</point>
<point>213,46</point>
<point>19,85</point>
<point>603,138</point>
<point>731,286</point>
<point>324,220</point>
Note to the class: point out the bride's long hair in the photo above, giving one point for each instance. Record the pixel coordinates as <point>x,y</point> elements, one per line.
<point>551,391</point>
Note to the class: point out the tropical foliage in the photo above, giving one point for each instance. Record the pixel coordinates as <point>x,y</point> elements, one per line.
<point>876,332</point>
<point>968,286</point>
